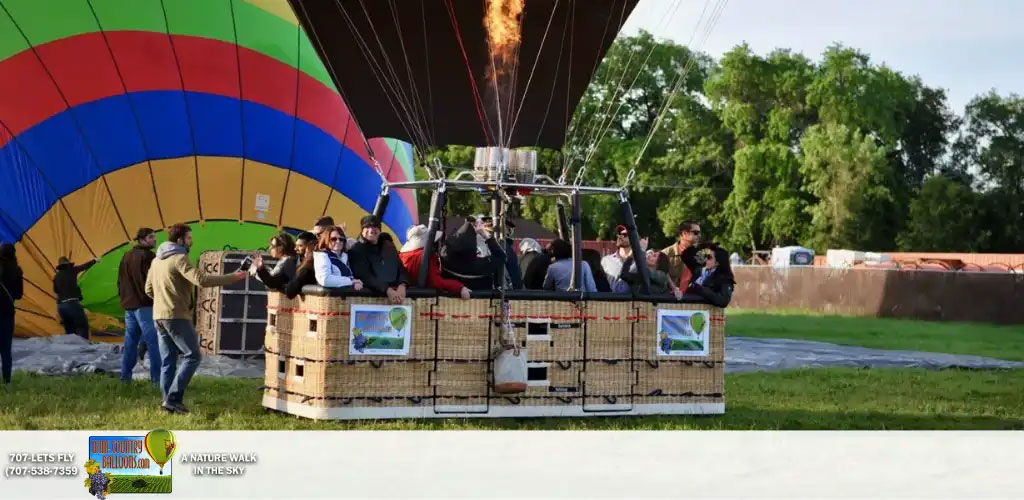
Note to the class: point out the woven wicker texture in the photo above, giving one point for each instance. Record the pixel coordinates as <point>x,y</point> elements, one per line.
<point>606,358</point>
<point>552,330</point>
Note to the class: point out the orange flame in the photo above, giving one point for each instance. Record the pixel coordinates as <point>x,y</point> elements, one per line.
<point>502,23</point>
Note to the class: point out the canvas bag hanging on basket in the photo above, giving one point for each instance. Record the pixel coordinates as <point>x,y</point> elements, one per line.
<point>510,363</point>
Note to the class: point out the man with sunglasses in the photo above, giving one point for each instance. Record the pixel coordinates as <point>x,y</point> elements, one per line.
<point>682,255</point>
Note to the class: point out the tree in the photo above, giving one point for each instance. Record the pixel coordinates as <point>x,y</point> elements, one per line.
<point>849,176</point>
<point>946,216</point>
<point>993,143</point>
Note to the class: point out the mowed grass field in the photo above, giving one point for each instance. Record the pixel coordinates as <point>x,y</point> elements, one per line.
<point>822,399</point>
<point>976,339</point>
<point>154,484</point>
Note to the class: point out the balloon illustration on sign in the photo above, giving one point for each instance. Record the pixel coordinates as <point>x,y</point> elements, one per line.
<point>161,446</point>
<point>117,115</point>
<point>398,318</point>
<point>697,322</point>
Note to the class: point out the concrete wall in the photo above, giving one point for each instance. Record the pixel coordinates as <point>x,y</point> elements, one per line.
<point>927,295</point>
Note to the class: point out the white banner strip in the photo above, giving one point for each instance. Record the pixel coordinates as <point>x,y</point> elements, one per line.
<point>498,464</point>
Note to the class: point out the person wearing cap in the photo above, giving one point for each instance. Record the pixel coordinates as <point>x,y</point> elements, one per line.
<point>412,257</point>
<point>138,307</point>
<point>612,264</point>
<point>377,264</point>
<point>69,296</point>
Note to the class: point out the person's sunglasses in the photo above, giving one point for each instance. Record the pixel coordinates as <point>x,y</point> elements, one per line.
<point>695,233</point>
<point>337,239</point>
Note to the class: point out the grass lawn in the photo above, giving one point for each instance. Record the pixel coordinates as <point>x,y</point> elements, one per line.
<point>1004,342</point>
<point>803,399</point>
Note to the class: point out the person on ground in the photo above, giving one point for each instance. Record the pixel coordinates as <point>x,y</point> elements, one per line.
<point>377,264</point>
<point>171,284</point>
<point>715,282</point>
<point>69,296</point>
<point>412,257</point>
<point>682,255</point>
<point>331,264</point>
<point>11,290</point>
<point>305,274</point>
<point>138,307</point>
<point>534,262</point>
<point>282,248</point>
<point>612,264</point>
<point>559,273</point>
<point>461,258</point>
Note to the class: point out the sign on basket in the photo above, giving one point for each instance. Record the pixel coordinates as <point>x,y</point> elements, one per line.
<point>380,329</point>
<point>682,333</point>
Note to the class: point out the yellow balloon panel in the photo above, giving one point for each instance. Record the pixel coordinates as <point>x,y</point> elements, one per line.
<point>345,211</point>
<point>97,217</point>
<point>219,179</point>
<point>262,192</point>
<point>279,8</point>
<point>175,181</point>
<point>34,325</point>
<point>135,196</point>
<point>54,235</point>
<point>304,202</point>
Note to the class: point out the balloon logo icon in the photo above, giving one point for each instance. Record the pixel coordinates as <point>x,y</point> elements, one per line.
<point>697,322</point>
<point>398,318</point>
<point>161,446</point>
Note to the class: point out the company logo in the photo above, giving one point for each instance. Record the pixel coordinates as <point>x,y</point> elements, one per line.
<point>130,464</point>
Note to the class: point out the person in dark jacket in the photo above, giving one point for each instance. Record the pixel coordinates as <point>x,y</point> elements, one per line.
<point>461,260</point>
<point>376,263</point>
<point>716,282</point>
<point>284,249</point>
<point>138,307</point>
<point>593,259</point>
<point>305,274</point>
<point>11,290</point>
<point>69,296</point>
<point>534,262</point>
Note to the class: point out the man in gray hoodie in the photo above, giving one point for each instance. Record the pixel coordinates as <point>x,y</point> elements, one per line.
<point>171,282</point>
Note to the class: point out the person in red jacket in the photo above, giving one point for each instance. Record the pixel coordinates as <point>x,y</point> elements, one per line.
<point>412,256</point>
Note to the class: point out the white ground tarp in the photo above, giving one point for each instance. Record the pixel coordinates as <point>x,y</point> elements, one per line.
<point>70,354</point>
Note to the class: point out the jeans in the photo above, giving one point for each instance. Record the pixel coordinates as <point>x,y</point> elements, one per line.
<point>72,315</point>
<point>177,336</point>
<point>139,328</point>
<point>6,341</point>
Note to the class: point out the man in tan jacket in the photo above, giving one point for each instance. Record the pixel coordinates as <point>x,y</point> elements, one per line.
<point>171,282</point>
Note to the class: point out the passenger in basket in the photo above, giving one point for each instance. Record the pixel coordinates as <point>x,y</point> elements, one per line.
<point>560,272</point>
<point>412,257</point>
<point>593,259</point>
<point>321,224</point>
<point>331,262</point>
<point>716,282</point>
<point>282,248</point>
<point>305,274</point>
<point>534,262</point>
<point>461,260</point>
<point>661,281</point>
<point>377,263</point>
<point>612,264</point>
<point>682,255</point>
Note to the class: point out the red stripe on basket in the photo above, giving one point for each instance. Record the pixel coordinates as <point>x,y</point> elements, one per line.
<point>609,318</point>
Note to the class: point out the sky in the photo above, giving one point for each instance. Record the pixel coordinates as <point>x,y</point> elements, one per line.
<point>966,47</point>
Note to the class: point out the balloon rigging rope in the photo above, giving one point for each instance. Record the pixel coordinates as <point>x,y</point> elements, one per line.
<point>599,123</point>
<point>529,79</point>
<point>691,62</point>
<point>417,100</point>
<point>394,84</point>
<point>477,100</point>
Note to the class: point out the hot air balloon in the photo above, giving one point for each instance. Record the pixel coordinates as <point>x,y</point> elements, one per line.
<point>160,445</point>
<point>121,114</point>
